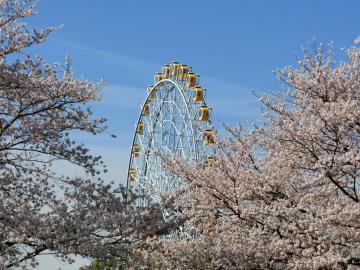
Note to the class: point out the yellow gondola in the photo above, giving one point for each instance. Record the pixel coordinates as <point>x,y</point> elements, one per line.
<point>158,77</point>
<point>166,71</point>
<point>184,69</point>
<point>192,79</point>
<point>146,109</point>
<point>204,113</point>
<point>132,174</point>
<point>209,137</point>
<point>208,231</point>
<point>151,92</point>
<point>136,150</point>
<point>175,69</point>
<point>210,160</point>
<point>151,238</point>
<point>199,94</point>
<point>140,128</point>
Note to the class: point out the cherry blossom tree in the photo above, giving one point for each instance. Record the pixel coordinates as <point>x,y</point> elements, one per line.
<point>41,211</point>
<point>284,195</point>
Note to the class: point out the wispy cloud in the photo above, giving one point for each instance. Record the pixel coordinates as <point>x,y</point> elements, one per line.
<point>116,159</point>
<point>123,96</point>
<point>226,98</point>
<point>230,99</point>
<point>116,58</point>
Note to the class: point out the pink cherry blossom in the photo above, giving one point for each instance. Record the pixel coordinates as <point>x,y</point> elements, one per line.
<point>41,211</point>
<point>284,195</point>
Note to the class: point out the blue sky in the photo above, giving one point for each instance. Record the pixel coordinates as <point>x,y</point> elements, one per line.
<point>234,45</point>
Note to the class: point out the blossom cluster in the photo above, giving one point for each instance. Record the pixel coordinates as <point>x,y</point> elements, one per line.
<point>285,194</point>
<point>42,211</point>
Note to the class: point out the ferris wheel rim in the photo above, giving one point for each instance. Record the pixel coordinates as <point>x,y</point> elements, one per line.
<point>180,90</point>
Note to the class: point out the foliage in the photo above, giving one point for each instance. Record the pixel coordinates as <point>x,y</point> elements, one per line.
<point>41,211</point>
<point>114,263</point>
<point>98,265</point>
<point>284,195</point>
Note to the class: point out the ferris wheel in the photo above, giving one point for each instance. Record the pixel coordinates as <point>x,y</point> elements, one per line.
<point>174,122</point>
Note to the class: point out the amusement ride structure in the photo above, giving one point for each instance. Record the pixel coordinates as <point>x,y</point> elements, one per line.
<point>174,122</point>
